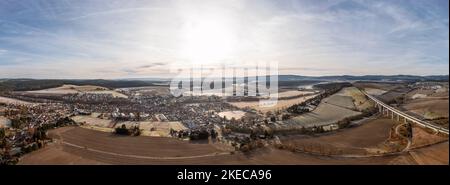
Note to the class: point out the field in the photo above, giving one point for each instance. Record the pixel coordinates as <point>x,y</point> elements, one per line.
<point>373,91</point>
<point>424,138</point>
<point>104,147</point>
<point>149,128</point>
<point>432,155</point>
<point>93,121</point>
<point>281,104</point>
<point>387,92</point>
<point>145,146</point>
<point>359,100</point>
<point>232,114</point>
<point>377,87</point>
<point>55,154</point>
<point>149,90</point>
<point>74,89</point>
<point>159,129</point>
<point>428,93</point>
<point>368,137</point>
<point>74,145</point>
<point>324,114</point>
<point>293,93</point>
<point>428,108</point>
<point>12,101</point>
<point>331,110</point>
<point>390,96</point>
<point>4,122</point>
<point>341,101</point>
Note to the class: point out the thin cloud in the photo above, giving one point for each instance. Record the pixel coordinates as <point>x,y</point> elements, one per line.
<point>151,65</point>
<point>306,37</point>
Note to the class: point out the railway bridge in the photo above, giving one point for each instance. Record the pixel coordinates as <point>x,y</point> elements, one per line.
<point>399,115</point>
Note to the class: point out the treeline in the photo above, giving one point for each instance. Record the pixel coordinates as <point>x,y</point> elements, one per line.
<point>300,130</point>
<point>35,84</point>
<point>344,123</point>
<point>329,89</point>
<point>328,86</point>
<point>123,130</point>
<point>23,121</point>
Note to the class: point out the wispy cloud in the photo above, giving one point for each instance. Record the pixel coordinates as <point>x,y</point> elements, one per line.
<point>84,38</point>
<point>152,65</point>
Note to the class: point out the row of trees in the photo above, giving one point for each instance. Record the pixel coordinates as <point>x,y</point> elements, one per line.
<point>199,134</point>
<point>302,107</point>
<point>123,130</point>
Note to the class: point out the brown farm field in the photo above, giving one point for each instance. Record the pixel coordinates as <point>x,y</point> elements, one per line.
<point>433,155</point>
<point>368,137</point>
<point>428,108</point>
<point>145,146</point>
<point>6,100</point>
<point>421,137</point>
<point>95,147</point>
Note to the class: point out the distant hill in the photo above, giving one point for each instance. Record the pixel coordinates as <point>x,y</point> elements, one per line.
<point>38,84</point>
<point>392,78</point>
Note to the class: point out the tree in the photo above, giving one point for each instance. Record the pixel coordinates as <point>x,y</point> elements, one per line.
<point>136,131</point>
<point>285,117</point>
<point>122,130</point>
<point>320,129</point>
<point>273,119</point>
<point>138,116</point>
<point>303,130</point>
<point>2,137</point>
<point>213,134</point>
<point>268,133</point>
<point>252,134</point>
<point>2,133</point>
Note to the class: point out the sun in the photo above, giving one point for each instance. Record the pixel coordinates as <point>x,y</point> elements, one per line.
<point>207,41</point>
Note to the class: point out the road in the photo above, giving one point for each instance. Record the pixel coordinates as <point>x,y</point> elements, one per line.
<point>399,134</point>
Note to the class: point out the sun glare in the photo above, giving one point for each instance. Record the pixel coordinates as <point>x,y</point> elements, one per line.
<point>207,41</point>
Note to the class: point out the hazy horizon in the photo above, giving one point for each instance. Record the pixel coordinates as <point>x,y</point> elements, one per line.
<point>67,39</point>
<point>169,78</point>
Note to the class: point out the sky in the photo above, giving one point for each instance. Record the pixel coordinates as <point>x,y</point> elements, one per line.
<point>138,39</point>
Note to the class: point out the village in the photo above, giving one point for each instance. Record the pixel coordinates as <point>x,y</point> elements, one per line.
<point>27,117</point>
